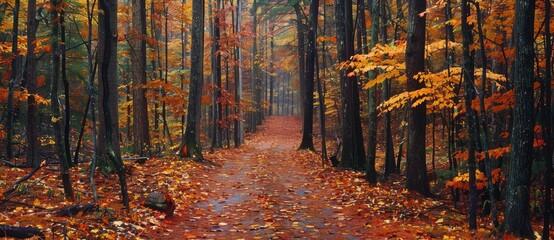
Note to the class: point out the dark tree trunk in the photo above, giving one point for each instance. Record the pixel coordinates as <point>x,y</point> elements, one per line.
<point>322,94</point>
<point>254,79</point>
<point>301,49</point>
<point>65,82</point>
<point>216,68</point>
<point>390,166</point>
<point>190,147</point>
<point>416,174</point>
<point>55,107</point>
<point>489,164</point>
<point>31,79</point>
<point>13,80</point>
<point>141,137</point>
<point>115,158</point>
<point>371,174</point>
<point>353,153</point>
<point>272,73</point>
<point>166,132</point>
<point>307,120</point>
<point>112,73</point>
<point>471,114</point>
<point>547,123</point>
<point>517,219</point>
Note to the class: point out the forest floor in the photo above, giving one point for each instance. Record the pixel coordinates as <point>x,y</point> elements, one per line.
<point>266,189</point>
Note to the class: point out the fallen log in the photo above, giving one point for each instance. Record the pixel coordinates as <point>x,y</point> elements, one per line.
<point>73,210</point>
<point>23,179</point>
<point>20,232</point>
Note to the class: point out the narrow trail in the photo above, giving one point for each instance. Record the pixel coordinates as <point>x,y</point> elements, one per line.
<point>265,190</point>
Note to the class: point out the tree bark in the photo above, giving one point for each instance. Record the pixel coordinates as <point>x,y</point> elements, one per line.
<point>311,55</point>
<point>471,115</point>
<point>547,123</point>
<point>238,134</point>
<point>353,153</point>
<point>13,80</point>
<point>107,81</point>
<point>32,157</point>
<point>55,107</point>
<point>112,87</point>
<point>141,137</point>
<point>416,174</point>
<point>517,218</point>
<point>371,174</point>
<point>301,49</point>
<point>190,147</point>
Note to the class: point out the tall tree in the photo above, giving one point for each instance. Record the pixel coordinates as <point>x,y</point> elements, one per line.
<point>13,80</point>
<point>353,152</point>
<point>390,166</point>
<point>371,174</point>
<point>547,122</point>
<point>216,69</point>
<point>112,90</point>
<point>471,115</point>
<point>55,105</point>
<point>301,48</point>
<point>190,147</point>
<point>516,216</point>
<point>311,55</point>
<point>416,174</point>
<point>32,157</point>
<point>109,8</point>
<point>65,83</point>
<point>238,138</point>
<point>141,139</point>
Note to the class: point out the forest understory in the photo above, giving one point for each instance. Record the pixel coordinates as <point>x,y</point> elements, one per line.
<point>266,189</point>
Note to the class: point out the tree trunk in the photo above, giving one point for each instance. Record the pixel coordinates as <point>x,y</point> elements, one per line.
<point>272,72</point>
<point>517,218</point>
<point>471,114</point>
<point>238,136</point>
<point>55,107</point>
<point>112,73</point>
<point>489,164</point>
<point>141,139</point>
<point>390,166</point>
<point>416,174</point>
<point>353,153</point>
<point>190,147</point>
<point>31,79</point>
<point>216,71</point>
<point>371,174</point>
<point>107,81</point>
<point>300,28</point>
<point>65,82</point>
<point>13,80</point>
<point>311,55</point>
<point>184,40</point>
<point>547,123</point>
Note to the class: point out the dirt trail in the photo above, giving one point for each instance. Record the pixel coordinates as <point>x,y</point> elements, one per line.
<point>265,190</point>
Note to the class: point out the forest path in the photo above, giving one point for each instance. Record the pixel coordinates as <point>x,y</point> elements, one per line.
<point>266,189</point>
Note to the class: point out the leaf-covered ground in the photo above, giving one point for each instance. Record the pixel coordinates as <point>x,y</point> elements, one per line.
<point>265,189</point>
